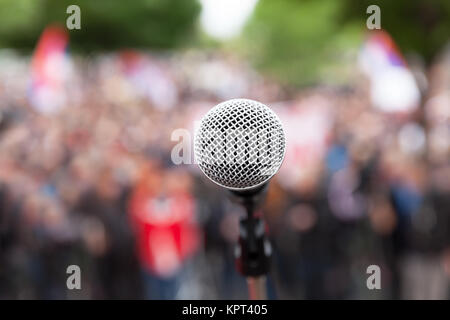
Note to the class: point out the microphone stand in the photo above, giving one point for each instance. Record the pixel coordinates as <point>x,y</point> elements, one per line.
<point>253,250</point>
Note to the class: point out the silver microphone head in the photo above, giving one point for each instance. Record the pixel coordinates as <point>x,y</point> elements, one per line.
<point>240,144</point>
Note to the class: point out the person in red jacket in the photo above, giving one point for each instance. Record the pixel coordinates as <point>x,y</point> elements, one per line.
<point>162,213</point>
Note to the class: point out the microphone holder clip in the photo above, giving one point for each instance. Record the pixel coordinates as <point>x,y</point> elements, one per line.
<point>253,249</point>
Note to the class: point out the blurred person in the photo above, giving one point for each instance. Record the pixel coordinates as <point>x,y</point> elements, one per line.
<point>221,228</point>
<point>108,238</point>
<point>161,210</point>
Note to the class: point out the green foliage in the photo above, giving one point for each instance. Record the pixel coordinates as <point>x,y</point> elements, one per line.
<point>296,40</point>
<point>105,24</point>
<point>420,26</point>
<point>301,41</point>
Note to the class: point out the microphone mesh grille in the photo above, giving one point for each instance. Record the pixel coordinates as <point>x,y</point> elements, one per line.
<point>240,144</point>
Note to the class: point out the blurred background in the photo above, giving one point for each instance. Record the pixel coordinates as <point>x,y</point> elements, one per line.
<point>87,121</point>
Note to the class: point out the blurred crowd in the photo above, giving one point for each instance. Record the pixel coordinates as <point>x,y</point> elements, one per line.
<point>87,178</point>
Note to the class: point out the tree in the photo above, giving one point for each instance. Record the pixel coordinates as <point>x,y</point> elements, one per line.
<point>419,26</point>
<point>105,24</point>
<point>304,42</point>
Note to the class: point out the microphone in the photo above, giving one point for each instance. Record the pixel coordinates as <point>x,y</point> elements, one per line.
<point>240,145</point>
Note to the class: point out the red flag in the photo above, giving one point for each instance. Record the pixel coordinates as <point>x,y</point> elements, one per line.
<point>49,70</point>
